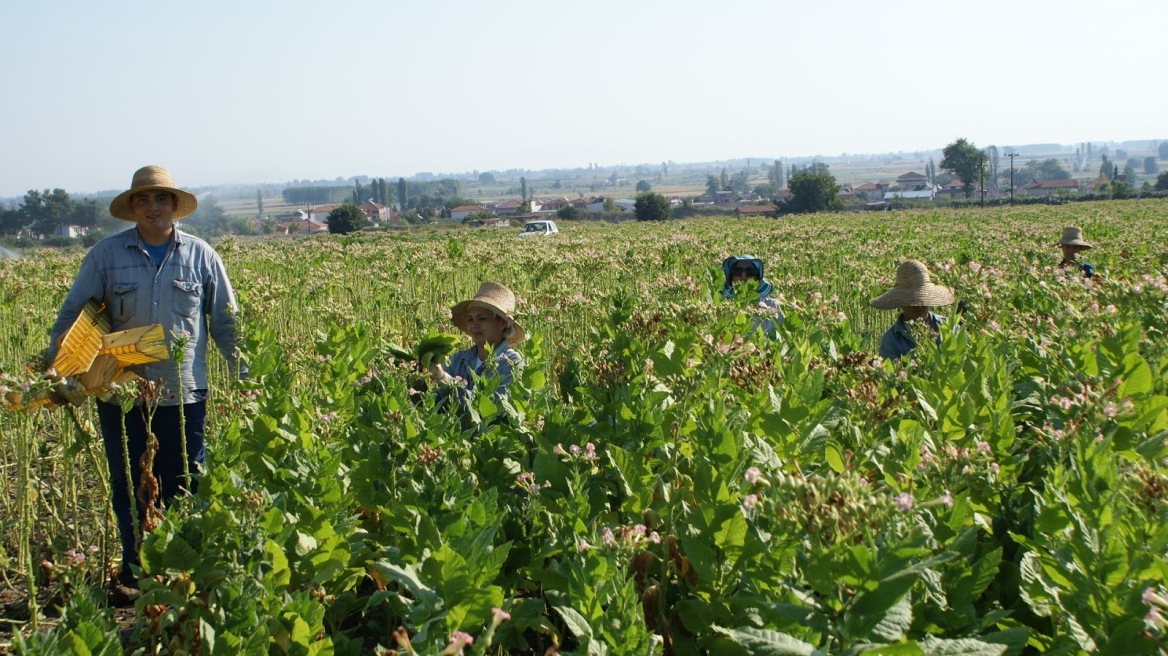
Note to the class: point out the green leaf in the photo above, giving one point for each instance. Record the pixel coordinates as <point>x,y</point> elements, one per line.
<point>280,575</point>
<point>731,536</point>
<point>1137,376</point>
<point>575,622</point>
<point>764,642</point>
<point>834,457</point>
<point>898,649</point>
<point>179,557</point>
<point>961,647</point>
<point>896,621</point>
<point>701,556</point>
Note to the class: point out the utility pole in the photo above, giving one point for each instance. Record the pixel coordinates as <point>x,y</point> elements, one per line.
<point>982,181</point>
<point>1011,156</point>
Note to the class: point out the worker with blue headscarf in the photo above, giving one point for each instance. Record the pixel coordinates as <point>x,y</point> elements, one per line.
<point>739,270</point>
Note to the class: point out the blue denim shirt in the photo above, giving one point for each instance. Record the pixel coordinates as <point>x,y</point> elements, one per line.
<point>463,363</point>
<point>189,292</point>
<point>897,340</point>
<point>1084,269</point>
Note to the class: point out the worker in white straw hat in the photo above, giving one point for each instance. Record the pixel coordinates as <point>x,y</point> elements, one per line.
<point>913,294</point>
<point>149,274</point>
<point>488,319</point>
<point>1072,244</point>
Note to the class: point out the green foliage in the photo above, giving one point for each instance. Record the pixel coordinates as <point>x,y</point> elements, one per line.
<point>643,187</point>
<point>651,207</point>
<point>812,192</point>
<point>345,219</point>
<point>568,213</point>
<point>317,195</point>
<point>713,186</point>
<point>965,161</point>
<point>659,477</point>
<point>1161,182</point>
<point>45,212</point>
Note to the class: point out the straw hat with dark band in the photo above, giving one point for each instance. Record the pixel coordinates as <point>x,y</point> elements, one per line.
<point>153,178</point>
<point>1073,236</point>
<point>912,288</point>
<point>496,298</point>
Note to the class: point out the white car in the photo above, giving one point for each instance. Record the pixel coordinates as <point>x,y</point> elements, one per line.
<point>539,229</point>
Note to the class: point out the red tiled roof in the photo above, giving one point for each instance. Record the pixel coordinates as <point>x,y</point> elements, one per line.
<point>911,175</point>
<point>755,209</point>
<point>468,208</point>
<point>1053,184</point>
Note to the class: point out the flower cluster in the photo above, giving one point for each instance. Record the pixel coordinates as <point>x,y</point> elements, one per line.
<point>1156,599</point>
<point>574,452</point>
<point>628,536</point>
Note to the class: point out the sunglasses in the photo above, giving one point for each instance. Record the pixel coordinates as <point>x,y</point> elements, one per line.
<point>744,271</point>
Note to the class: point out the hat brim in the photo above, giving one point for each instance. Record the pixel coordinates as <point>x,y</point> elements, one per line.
<point>926,296</point>
<point>1074,242</point>
<point>459,313</point>
<point>185,203</point>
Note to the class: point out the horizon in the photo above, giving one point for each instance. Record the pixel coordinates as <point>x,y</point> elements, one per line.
<point>266,93</point>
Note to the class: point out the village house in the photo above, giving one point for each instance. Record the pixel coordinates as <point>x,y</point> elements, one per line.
<point>507,207</point>
<point>553,205</point>
<point>872,190</point>
<point>755,210</point>
<point>912,185</point>
<point>300,226</point>
<point>375,212</point>
<point>912,181</point>
<point>955,188</point>
<point>462,211</point>
<point>1047,187</point>
<point>591,204</point>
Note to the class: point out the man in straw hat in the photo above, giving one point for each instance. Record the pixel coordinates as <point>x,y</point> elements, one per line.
<point>913,294</point>
<point>1072,244</point>
<point>488,319</point>
<point>156,274</point>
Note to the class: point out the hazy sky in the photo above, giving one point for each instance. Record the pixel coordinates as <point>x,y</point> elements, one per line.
<point>254,91</point>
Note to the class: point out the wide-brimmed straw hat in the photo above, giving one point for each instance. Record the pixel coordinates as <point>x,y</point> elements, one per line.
<point>913,288</point>
<point>1073,236</point>
<point>496,298</point>
<point>153,178</point>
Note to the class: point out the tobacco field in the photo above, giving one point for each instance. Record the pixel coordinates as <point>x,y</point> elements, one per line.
<point>661,479</point>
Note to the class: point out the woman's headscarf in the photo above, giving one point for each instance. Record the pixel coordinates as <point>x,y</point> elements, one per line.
<point>764,287</point>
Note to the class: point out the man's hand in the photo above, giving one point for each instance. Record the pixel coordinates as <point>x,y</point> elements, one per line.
<point>71,391</point>
<point>438,374</point>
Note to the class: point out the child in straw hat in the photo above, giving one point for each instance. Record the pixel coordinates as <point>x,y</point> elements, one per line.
<point>913,294</point>
<point>1072,244</point>
<point>488,319</point>
<point>739,270</point>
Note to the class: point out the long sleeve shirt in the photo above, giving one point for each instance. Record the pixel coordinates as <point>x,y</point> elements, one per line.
<point>463,363</point>
<point>189,294</point>
<point>898,341</point>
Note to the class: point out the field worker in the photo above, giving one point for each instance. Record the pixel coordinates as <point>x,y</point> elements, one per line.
<point>1072,244</point>
<point>156,274</point>
<point>487,319</point>
<point>739,270</point>
<point>913,294</point>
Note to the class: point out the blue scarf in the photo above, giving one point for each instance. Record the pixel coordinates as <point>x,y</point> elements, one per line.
<point>764,287</point>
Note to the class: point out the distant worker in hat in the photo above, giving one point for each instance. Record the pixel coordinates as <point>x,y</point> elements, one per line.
<point>488,319</point>
<point>1072,244</point>
<point>739,271</point>
<point>913,294</point>
<point>153,273</point>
